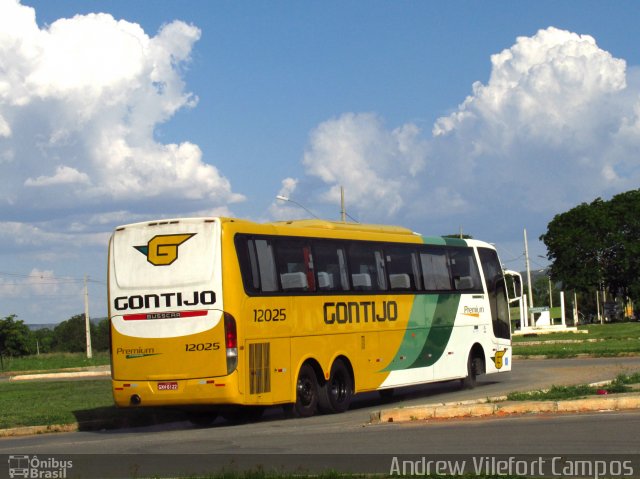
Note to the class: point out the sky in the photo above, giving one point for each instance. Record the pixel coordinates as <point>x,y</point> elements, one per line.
<point>480,117</point>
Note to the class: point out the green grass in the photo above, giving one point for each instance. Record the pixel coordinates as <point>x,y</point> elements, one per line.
<point>53,361</point>
<point>89,403</point>
<point>595,331</point>
<point>43,403</point>
<point>611,340</point>
<point>610,348</point>
<point>558,393</point>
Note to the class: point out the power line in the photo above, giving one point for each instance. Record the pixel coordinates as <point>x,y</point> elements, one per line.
<point>48,279</point>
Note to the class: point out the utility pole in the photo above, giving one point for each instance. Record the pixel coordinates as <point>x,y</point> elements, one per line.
<point>86,318</point>
<point>343,211</point>
<point>526,257</point>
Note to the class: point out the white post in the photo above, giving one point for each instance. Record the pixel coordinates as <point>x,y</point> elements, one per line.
<point>524,313</point>
<point>526,257</point>
<point>564,324</point>
<point>86,318</point>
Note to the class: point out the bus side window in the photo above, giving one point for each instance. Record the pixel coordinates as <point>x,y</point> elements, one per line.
<point>330,266</point>
<point>366,264</point>
<point>435,269</point>
<point>256,264</point>
<point>295,265</point>
<point>266,265</point>
<point>247,258</point>
<point>464,270</point>
<point>402,268</point>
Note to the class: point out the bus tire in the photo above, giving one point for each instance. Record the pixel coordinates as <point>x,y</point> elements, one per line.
<point>335,394</point>
<point>307,389</point>
<point>474,369</point>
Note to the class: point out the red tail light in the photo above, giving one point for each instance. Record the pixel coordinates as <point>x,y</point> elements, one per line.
<point>230,332</point>
<point>231,342</point>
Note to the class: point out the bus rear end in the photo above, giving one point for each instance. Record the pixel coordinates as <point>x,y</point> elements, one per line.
<point>171,342</point>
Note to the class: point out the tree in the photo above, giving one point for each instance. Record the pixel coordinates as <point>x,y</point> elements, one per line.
<point>624,273</point>
<point>100,335</point>
<point>15,337</point>
<point>597,245</point>
<point>575,246</point>
<point>70,335</point>
<point>44,340</point>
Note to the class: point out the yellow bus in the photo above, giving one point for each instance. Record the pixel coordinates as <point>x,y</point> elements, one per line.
<point>227,315</point>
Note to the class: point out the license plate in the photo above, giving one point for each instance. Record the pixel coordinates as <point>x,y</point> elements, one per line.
<point>172,386</point>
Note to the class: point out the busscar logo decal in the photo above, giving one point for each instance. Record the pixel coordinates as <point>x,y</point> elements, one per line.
<point>162,250</point>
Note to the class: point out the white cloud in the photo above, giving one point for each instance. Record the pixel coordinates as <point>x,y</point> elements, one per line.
<point>37,282</point>
<point>546,123</point>
<point>79,101</point>
<point>557,123</point>
<point>377,167</point>
<point>63,175</point>
<point>16,236</point>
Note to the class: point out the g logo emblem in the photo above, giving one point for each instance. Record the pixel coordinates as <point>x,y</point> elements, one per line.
<point>497,359</point>
<point>162,250</point>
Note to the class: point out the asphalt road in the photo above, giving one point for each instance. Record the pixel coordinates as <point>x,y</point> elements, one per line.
<point>348,440</point>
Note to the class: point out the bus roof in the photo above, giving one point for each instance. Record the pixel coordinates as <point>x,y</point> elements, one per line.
<point>328,226</point>
<point>340,226</point>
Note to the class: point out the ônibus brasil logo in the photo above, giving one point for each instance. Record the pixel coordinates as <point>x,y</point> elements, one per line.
<point>162,250</point>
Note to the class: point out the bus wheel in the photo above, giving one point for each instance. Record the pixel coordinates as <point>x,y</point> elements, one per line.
<point>336,393</point>
<point>474,368</point>
<point>306,393</point>
<point>202,418</point>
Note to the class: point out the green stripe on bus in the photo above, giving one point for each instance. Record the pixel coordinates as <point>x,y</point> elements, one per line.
<point>441,241</point>
<point>440,332</point>
<point>428,331</point>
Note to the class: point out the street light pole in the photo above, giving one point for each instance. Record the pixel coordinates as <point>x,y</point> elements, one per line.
<point>286,198</point>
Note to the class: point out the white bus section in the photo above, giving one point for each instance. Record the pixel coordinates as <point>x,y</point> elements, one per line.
<point>181,297</point>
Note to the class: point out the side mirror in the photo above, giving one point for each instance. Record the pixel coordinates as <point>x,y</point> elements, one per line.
<point>514,285</point>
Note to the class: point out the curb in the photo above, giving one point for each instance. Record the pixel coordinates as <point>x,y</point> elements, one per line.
<point>88,371</point>
<point>78,374</point>
<point>500,407</point>
<point>34,430</point>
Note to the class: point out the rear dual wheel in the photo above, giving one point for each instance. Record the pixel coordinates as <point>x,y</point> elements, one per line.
<point>333,396</point>
<point>307,391</point>
<point>336,393</point>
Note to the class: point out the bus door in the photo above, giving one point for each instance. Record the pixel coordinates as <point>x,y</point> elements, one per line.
<point>500,355</point>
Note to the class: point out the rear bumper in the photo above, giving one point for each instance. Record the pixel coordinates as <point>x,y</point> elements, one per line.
<point>182,392</point>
